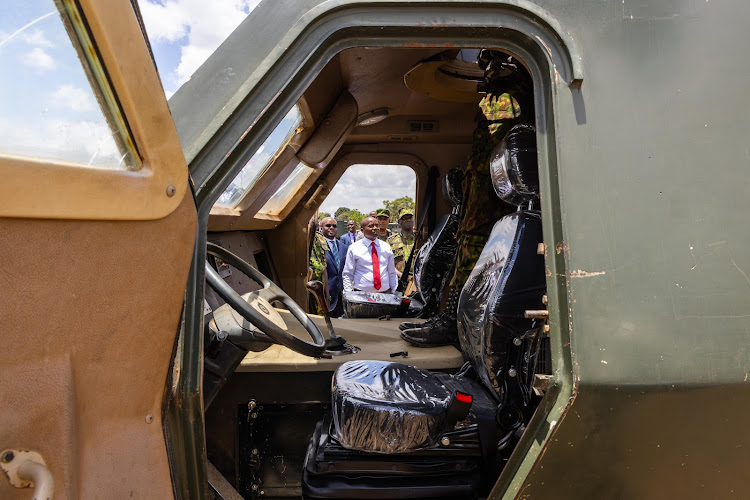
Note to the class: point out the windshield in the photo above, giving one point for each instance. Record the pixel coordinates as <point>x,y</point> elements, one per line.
<point>281,197</point>
<point>262,159</point>
<point>184,33</point>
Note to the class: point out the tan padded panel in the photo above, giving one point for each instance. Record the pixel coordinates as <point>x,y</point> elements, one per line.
<point>89,314</point>
<point>376,339</point>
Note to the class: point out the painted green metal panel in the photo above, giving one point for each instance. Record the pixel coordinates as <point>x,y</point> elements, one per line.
<point>646,195</point>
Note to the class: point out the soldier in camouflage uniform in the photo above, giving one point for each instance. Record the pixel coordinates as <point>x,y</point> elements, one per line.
<point>499,110</point>
<point>383,217</point>
<point>318,264</point>
<point>402,243</point>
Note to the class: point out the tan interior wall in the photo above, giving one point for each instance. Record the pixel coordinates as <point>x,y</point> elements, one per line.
<point>90,311</point>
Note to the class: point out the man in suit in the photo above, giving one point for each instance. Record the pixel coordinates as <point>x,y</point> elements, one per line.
<point>351,235</point>
<point>327,263</point>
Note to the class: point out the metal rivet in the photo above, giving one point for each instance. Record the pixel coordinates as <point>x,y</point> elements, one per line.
<point>8,457</point>
<point>171,190</point>
<point>255,451</point>
<point>512,372</point>
<point>445,441</point>
<point>516,341</point>
<point>149,418</point>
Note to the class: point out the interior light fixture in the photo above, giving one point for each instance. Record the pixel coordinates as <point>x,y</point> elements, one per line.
<point>372,117</point>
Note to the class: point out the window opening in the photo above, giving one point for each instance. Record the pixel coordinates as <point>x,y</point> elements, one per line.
<point>262,159</point>
<point>57,103</point>
<point>364,188</point>
<point>281,197</point>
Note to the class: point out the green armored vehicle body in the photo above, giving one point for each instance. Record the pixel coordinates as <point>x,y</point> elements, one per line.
<point>602,346</point>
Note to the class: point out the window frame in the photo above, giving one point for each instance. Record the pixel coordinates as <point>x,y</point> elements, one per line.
<point>40,188</point>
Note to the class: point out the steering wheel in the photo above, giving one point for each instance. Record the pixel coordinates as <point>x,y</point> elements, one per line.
<point>260,314</point>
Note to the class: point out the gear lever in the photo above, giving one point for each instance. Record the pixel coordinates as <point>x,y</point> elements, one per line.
<point>334,342</point>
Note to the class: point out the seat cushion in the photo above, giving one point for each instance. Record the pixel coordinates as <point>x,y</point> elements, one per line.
<point>394,408</point>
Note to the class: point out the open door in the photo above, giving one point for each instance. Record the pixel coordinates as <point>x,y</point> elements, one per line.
<point>98,225</point>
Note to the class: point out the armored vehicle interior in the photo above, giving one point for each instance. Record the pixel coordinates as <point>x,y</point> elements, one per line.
<point>415,107</point>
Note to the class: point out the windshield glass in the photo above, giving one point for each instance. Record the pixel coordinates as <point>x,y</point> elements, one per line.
<point>184,33</point>
<point>281,197</point>
<point>262,159</point>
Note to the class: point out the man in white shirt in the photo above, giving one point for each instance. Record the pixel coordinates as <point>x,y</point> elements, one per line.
<point>369,262</point>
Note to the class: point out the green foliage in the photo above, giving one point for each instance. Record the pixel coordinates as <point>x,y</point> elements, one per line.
<point>395,206</point>
<point>323,215</point>
<point>341,210</point>
<point>350,214</point>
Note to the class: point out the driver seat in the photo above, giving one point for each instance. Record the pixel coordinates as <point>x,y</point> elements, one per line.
<point>397,431</point>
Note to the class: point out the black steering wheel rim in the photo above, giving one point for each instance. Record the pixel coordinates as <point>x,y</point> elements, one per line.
<point>269,292</point>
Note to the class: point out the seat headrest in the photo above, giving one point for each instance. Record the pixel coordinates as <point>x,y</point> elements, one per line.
<point>452,186</point>
<point>514,167</point>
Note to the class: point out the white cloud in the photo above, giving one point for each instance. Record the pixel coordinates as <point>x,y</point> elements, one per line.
<point>75,98</point>
<point>79,141</point>
<point>364,187</point>
<point>203,26</point>
<point>39,59</point>
<point>37,39</point>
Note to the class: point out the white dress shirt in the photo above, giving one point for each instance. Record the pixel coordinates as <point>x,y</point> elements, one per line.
<point>358,267</point>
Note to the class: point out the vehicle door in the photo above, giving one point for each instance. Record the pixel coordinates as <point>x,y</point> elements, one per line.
<point>98,223</point>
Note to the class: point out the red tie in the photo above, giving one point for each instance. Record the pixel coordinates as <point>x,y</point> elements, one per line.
<point>375,267</point>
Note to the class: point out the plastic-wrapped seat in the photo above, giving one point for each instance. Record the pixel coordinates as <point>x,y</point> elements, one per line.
<point>433,263</point>
<point>392,407</point>
<point>397,431</point>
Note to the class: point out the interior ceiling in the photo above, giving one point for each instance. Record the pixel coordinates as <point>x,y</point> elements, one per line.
<point>375,77</point>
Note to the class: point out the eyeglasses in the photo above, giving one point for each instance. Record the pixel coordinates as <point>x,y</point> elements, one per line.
<point>330,225</point>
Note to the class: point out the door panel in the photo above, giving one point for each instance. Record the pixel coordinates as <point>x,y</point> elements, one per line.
<point>89,315</point>
<point>93,270</point>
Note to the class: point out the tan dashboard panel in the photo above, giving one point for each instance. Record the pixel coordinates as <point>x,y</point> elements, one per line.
<point>376,339</point>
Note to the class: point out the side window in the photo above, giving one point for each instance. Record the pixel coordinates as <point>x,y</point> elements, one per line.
<point>364,188</point>
<point>56,101</point>
<point>281,197</point>
<point>262,159</point>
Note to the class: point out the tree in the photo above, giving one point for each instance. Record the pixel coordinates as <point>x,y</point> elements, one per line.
<point>323,215</point>
<point>354,215</point>
<point>341,210</point>
<point>395,206</point>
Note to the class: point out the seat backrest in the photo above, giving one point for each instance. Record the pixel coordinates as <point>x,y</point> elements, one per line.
<point>433,262</point>
<point>509,276</point>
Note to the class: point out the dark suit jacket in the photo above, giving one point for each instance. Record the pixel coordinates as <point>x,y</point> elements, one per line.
<point>333,272</point>
<point>345,238</point>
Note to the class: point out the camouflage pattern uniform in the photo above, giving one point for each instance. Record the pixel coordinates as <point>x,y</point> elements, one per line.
<point>482,208</point>
<point>402,245</point>
<point>318,263</point>
<point>385,237</point>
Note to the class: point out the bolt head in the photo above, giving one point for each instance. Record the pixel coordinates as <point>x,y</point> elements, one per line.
<point>149,418</point>
<point>8,457</point>
<point>512,372</point>
<point>516,341</point>
<point>171,190</point>
<point>445,441</point>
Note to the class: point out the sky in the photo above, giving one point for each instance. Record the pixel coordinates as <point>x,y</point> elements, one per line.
<point>49,110</point>
<point>364,187</point>
<point>184,33</point>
